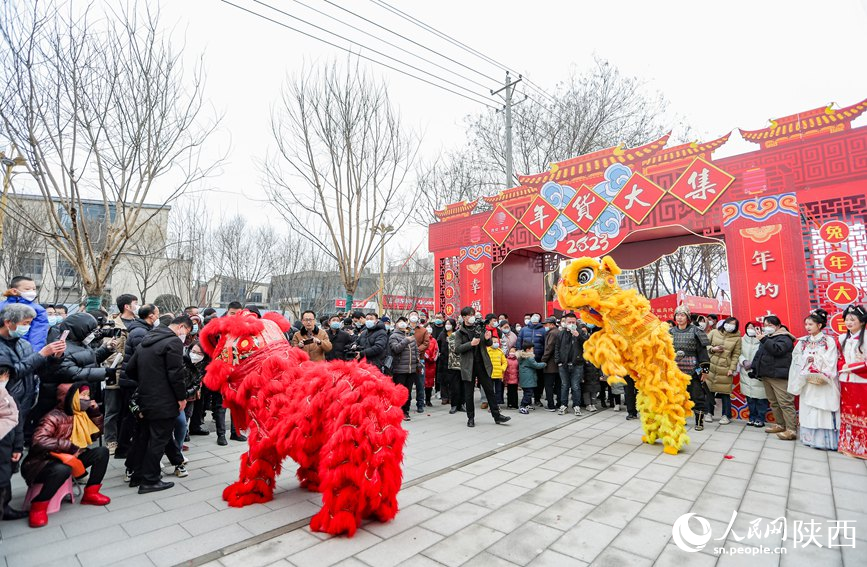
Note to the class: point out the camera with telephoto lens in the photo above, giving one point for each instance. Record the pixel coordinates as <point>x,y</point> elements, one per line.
<point>106,329</point>
<point>478,329</point>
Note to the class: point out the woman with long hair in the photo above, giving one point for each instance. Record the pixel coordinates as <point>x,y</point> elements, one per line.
<point>853,385</point>
<point>813,376</point>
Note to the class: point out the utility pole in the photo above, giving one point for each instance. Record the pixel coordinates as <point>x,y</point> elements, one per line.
<point>507,91</point>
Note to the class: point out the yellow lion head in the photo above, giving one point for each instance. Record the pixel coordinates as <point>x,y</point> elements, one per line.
<point>584,283</point>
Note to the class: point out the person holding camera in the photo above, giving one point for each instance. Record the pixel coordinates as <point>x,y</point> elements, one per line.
<point>341,341</point>
<point>472,340</point>
<point>312,339</point>
<point>404,350</point>
<point>82,359</point>
<point>372,343</point>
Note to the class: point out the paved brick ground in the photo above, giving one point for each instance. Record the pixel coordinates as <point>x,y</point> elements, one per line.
<point>544,490</point>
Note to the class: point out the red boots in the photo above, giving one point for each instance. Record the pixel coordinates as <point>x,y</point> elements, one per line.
<point>38,514</point>
<point>92,496</point>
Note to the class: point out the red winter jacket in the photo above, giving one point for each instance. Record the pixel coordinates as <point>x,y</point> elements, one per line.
<point>430,364</point>
<point>510,376</point>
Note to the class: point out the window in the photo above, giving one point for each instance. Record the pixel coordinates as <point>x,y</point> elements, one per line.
<point>65,270</point>
<point>32,265</point>
<point>255,298</point>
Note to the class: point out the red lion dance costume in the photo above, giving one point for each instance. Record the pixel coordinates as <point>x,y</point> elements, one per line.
<point>340,421</point>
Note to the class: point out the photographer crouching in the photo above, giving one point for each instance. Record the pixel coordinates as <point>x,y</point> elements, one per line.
<point>471,342</point>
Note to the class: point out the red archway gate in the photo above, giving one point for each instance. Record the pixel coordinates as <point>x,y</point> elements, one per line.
<point>773,207</point>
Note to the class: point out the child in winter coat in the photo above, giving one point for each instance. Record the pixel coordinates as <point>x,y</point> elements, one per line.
<point>510,378</point>
<point>500,364</point>
<point>527,367</point>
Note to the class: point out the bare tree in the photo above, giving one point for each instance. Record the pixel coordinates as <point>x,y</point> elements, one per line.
<point>189,251</point>
<point>597,109</point>
<point>691,269</point>
<point>341,166</point>
<point>242,256</point>
<point>101,108</point>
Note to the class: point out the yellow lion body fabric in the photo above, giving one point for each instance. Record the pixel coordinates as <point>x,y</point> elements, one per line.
<point>633,342</point>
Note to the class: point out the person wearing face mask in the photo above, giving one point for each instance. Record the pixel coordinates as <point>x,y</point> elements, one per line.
<point>372,344</point>
<point>771,365</point>
<point>127,307</point>
<point>194,371</point>
<point>534,333</point>
<point>471,342</point>
<point>23,385</point>
<point>357,323</point>
<point>158,367</point>
<point>499,364</point>
<point>422,338</point>
<point>431,356</point>
<point>69,429</point>
<point>340,340</point>
<point>569,358</point>
<point>751,387</point>
<point>22,290</point>
<point>691,357</point>
<point>404,350</point>
<point>508,339</point>
<point>437,325</point>
<point>725,349</point>
<point>53,316</point>
<point>80,362</point>
<point>444,373</point>
<point>550,374</point>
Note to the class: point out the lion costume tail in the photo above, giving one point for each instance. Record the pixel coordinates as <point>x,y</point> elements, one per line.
<point>356,465</point>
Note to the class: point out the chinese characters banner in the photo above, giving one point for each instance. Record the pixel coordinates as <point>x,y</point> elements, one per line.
<point>765,257</point>
<point>475,281</point>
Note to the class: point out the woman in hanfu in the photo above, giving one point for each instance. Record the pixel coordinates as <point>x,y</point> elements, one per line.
<point>813,376</point>
<point>853,385</point>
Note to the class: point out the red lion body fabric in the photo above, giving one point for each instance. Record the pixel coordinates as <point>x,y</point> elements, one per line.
<point>340,421</point>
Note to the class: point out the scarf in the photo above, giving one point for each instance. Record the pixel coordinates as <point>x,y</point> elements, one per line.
<point>82,427</point>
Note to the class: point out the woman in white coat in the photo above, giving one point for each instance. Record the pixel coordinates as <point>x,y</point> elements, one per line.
<point>813,376</point>
<point>752,388</point>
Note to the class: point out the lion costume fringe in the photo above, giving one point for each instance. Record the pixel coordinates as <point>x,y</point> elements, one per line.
<point>340,421</point>
<point>632,342</point>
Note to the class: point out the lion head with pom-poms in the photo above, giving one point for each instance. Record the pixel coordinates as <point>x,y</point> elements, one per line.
<point>585,283</point>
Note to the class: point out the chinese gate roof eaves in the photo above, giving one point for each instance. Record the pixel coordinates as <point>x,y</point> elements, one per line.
<point>460,209</point>
<point>803,122</point>
<point>688,150</point>
<point>509,194</point>
<point>593,163</point>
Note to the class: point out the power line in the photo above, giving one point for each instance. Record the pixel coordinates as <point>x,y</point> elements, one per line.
<point>413,41</point>
<point>372,60</point>
<point>456,42</point>
<point>367,33</point>
<point>320,28</point>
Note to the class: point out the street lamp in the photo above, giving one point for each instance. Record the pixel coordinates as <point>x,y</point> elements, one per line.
<point>7,163</point>
<point>382,230</point>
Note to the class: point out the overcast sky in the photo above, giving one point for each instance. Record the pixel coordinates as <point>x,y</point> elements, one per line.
<point>722,65</point>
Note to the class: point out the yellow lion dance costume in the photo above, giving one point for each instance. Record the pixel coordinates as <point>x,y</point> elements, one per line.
<point>632,342</point>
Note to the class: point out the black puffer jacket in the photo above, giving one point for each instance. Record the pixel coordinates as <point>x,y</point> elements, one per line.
<point>80,362</point>
<point>137,329</point>
<point>158,367</point>
<point>373,344</point>
<point>774,356</point>
<point>23,384</point>
<point>340,341</point>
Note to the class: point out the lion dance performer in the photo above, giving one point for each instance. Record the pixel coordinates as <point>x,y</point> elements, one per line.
<point>632,342</point>
<point>340,421</point>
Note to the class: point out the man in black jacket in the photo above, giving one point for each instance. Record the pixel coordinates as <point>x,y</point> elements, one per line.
<point>158,367</point>
<point>471,342</point>
<point>569,356</point>
<point>340,340</point>
<point>373,341</point>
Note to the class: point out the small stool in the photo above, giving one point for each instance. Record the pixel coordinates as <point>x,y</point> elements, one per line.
<point>54,504</point>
